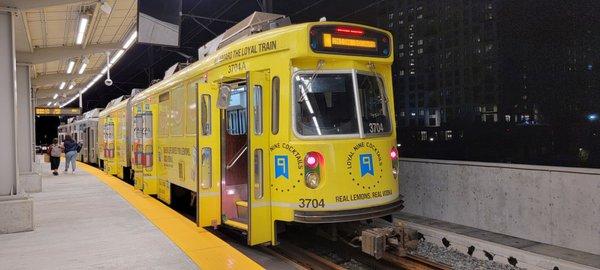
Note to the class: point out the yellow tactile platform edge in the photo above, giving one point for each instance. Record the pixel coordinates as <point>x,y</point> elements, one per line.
<point>204,248</point>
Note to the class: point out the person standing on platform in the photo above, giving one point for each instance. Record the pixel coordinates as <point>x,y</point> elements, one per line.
<point>55,151</point>
<point>70,146</point>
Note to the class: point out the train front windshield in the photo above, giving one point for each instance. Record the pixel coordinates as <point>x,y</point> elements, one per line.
<point>326,104</point>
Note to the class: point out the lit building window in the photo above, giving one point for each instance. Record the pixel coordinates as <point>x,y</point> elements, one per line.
<point>402,72</point>
<point>401,46</point>
<point>401,22</point>
<point>423,135</point>
<point>448,135</point>
<point>420,51</point>
<point>420,16</point>
<point>420,42</point>
<point>401,54</point>
<point>507,118</point>
<point>402,114</point>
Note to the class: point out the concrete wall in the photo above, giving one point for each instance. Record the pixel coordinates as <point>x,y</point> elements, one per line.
<point>553,205</point>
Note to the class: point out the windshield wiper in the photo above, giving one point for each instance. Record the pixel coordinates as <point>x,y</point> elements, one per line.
<point>303,96</point>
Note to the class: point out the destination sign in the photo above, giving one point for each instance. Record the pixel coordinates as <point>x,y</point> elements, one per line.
<point>43,111</point>
<point>350,40</point>
<point>330,41</point>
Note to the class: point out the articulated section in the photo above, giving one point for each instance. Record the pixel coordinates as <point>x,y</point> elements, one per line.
<point>553,205</point>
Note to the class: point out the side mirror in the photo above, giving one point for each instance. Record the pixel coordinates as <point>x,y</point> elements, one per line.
<point>223,101</point>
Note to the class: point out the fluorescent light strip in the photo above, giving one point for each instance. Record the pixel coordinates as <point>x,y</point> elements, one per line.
<point>130,40</point>
<point>114,59</point>
<point>117,56</point>
<point>72,85</point>
<point>62,85</point>
<point>55,96</point>
<point>81,32</point>
<point>70,66</point>
<point>49,103</point>
<point>82,68</point>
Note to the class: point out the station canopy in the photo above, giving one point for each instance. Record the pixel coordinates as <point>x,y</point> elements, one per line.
<point>65,42</point>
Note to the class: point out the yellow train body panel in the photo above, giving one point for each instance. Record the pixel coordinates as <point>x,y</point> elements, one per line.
<point>248,159</point>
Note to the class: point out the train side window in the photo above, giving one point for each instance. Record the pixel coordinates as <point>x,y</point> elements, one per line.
<point>206,168</point>
<point>177,111</point>
<point>191,109</point>
<point>257,110</point>
<point>275,106</point>
<point>163,114</point>
<point>205,114</point>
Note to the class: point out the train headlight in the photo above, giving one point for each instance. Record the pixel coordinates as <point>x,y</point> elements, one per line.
<point>312,180</point>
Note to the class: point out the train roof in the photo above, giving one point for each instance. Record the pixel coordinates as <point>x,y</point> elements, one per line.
<point>282,34</point>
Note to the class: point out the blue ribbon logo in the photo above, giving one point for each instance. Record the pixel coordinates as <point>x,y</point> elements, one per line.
<point>366,164</point>
<point>281,167</point>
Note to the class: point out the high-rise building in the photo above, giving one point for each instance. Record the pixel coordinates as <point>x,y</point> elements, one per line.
<point>505,80</point>
<point>448,69</point>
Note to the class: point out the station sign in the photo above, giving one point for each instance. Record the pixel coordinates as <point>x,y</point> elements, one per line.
<point>43,111</point>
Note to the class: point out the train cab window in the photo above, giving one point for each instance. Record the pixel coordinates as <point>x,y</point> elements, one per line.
<point>205,118</point>
<point>257,110</point>
<point>275,106</point>
<point>325,104</point>
<point>191,109</point>
<point>373,104</point>
<point>236,112</point>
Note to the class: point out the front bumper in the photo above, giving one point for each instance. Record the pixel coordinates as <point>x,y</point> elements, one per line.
<point>348,215</point>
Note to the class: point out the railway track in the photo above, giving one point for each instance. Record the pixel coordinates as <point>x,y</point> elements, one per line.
<point>319,258</point>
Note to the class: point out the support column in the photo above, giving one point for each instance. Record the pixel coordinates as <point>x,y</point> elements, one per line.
<point>30,180</point>
<point>16,208</point>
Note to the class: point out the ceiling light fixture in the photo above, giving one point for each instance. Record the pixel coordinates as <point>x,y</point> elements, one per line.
<point>62,85</point>
<point>55,96</point>
<point>70,66</point>
<point>83,22</point>
<point>71,85</point>
<point>49,103</point>
<point>130,40</point>
<point>84,64</point>
<point>116,57</point>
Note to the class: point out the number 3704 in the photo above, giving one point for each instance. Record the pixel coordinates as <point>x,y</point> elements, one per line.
<point>311,203</point>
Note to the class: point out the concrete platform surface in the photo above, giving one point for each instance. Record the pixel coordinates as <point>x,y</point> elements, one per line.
<point>80,223</point>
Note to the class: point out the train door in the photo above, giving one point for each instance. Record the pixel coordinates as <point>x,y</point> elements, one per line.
<point>233,96</point>
<point>259,203</point>
<point>137,148</point>
<point>149,132</point>
<point>209,155</point>
<point>87,145</point>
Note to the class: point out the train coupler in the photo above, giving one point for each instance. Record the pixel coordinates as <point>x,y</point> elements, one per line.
<point>395,238</point>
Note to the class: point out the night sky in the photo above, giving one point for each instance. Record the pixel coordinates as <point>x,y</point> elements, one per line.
<point>548,37</point>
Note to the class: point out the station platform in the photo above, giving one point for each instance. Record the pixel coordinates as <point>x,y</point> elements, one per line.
<point>92,220</point>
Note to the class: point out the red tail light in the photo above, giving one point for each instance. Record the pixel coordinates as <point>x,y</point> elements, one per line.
<point>312,160</point>
<point>394,153</point>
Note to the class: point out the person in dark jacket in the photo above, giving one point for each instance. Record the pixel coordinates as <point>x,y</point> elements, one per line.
<point>70,152</point>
